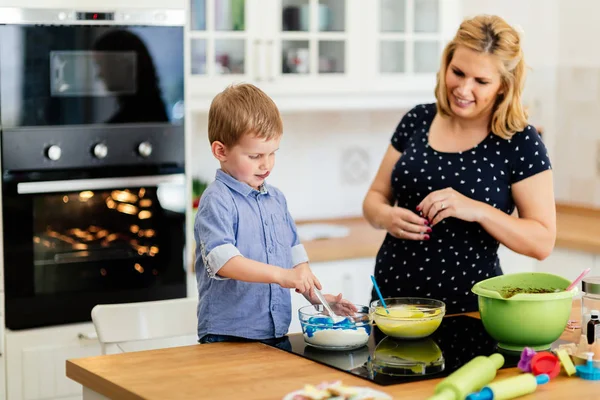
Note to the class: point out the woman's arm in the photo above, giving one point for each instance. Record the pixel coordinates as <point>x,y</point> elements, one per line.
<point>533,232</point>
<point>379,209</point>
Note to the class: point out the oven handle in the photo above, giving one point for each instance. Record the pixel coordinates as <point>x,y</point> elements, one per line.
<point>97,184</point>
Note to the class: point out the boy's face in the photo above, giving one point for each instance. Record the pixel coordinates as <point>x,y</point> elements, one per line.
<point>249,161</point>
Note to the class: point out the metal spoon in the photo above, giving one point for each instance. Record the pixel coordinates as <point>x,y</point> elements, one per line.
<point>332,315</point>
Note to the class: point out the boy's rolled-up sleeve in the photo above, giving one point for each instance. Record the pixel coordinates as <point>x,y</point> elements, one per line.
<point>214,231</point>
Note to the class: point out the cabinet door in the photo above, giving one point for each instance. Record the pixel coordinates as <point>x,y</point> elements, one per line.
<point>36,359</point>
<point>566,263</point>
<point>512,262</point>
<point>404,40</point>
<point>222,45</point>
<point>312,46</point>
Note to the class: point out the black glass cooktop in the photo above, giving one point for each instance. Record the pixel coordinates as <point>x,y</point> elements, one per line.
<point>388,361</point>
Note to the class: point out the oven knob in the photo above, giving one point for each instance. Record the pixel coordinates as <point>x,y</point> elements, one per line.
<point>145,149</point>
<point>100,150</point>
<point>53,152</point>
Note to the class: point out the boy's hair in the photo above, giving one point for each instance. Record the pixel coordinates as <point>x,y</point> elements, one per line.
<point>243,109</point>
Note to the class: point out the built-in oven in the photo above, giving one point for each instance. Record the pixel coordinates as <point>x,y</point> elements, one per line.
<point>93,179</point>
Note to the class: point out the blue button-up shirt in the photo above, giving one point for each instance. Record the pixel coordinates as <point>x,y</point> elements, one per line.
<point>234,219</point>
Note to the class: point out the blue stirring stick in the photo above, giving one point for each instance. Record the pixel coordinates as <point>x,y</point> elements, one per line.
<point>379,294</point>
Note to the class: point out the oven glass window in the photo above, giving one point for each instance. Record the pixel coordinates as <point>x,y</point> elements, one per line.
<point>113,239</point>
<point>93,73</point>
<point>73,75</point>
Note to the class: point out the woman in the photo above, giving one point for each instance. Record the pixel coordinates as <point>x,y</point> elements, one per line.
<point>456,170</point>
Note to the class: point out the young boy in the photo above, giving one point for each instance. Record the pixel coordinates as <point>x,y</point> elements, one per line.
<point>248,254</point>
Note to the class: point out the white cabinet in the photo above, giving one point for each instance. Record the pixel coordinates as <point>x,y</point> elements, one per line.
<point>299,50</point>
<point>403,41</point>
<point>349,277</point>
<point>35,361</point>
<point>512,262</point>
<point>569,263</point>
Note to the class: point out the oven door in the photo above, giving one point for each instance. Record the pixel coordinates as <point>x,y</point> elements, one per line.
<point>72,244</point>
<point>57,75</point>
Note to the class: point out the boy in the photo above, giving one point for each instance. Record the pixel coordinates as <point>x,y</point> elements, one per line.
<point>248,254</point>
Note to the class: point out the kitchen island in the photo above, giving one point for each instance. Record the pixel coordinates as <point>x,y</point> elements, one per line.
<point>254,371</point>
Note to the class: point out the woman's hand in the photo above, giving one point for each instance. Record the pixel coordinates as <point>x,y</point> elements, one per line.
<point>445,203</point>
<point>405,224</point>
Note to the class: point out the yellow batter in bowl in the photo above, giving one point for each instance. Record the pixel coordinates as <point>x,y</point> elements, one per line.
<point>408,321</point>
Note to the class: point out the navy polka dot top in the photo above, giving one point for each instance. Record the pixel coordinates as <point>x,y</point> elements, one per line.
<point>458,253</point>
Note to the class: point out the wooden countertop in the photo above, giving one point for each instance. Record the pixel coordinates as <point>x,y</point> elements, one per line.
<point>363,241</point>
<point>256,371</point>
<point>578,228</point>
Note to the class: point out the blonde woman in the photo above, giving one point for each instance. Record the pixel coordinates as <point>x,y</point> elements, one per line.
<point>455,171</point>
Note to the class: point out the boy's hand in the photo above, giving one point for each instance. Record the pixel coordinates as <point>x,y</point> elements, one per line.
<point>339,305</point>
<point>300,278</point>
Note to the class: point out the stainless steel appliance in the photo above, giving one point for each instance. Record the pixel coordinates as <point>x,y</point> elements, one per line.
<point>92,134</point>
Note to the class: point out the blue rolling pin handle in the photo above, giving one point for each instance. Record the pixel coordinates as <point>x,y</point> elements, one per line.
<point>379,294</point>
<point>488,394</point>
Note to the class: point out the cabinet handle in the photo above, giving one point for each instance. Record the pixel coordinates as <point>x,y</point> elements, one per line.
<point>257,77</point>
<point>270,61</point>
<point>87,336</point>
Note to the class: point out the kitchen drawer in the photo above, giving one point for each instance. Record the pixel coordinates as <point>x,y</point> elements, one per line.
<point>36,359</point>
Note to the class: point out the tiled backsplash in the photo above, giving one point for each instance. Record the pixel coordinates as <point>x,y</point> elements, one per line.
<point>326,161</point>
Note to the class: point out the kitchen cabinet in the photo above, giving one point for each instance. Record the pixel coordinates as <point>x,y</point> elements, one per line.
<point>311,54</point>
<point>349,277</point>
<point>35,361</point>
<point>512,262</point>
<point>569,263</point>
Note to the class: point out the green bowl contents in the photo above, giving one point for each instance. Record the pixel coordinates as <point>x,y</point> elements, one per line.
<point>529,309</point>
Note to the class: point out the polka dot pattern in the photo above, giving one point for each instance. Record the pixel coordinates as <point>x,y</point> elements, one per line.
<point>459,253</point>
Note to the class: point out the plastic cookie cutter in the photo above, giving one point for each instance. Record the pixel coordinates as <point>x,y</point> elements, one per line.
<point>566,361</point>
<point>545,363</point>
<point>525,361</point>
<point>510,388</point>
<point>588,371</point>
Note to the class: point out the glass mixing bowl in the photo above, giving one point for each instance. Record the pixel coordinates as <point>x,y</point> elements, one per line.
<point>409,317</point>
<point>320,331</point>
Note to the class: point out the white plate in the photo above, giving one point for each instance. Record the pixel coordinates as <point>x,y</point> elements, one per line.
<point>364,392</point>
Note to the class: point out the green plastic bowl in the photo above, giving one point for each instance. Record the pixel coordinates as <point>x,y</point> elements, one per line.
<point>517,317</point>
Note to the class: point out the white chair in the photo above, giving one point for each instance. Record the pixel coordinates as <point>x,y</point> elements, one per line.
<point>146,325</point>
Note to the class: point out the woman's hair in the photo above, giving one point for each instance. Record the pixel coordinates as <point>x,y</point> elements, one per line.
<point>492,35</point>
<point>243,109</point>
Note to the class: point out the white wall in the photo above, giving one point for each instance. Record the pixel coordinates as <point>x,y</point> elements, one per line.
<point>539,22</point>
<point>326,160</point>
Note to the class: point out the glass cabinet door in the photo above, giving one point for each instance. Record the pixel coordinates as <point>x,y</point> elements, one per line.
<point>311,38</point>
<point>409,36</point>
<point>219,38</point>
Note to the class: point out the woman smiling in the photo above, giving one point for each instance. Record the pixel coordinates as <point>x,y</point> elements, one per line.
<point>456,170</point>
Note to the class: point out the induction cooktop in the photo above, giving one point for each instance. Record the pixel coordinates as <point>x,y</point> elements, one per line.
<point>388,361</point>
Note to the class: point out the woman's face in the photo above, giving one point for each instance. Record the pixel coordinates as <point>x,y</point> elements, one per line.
<point>472,83</point>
